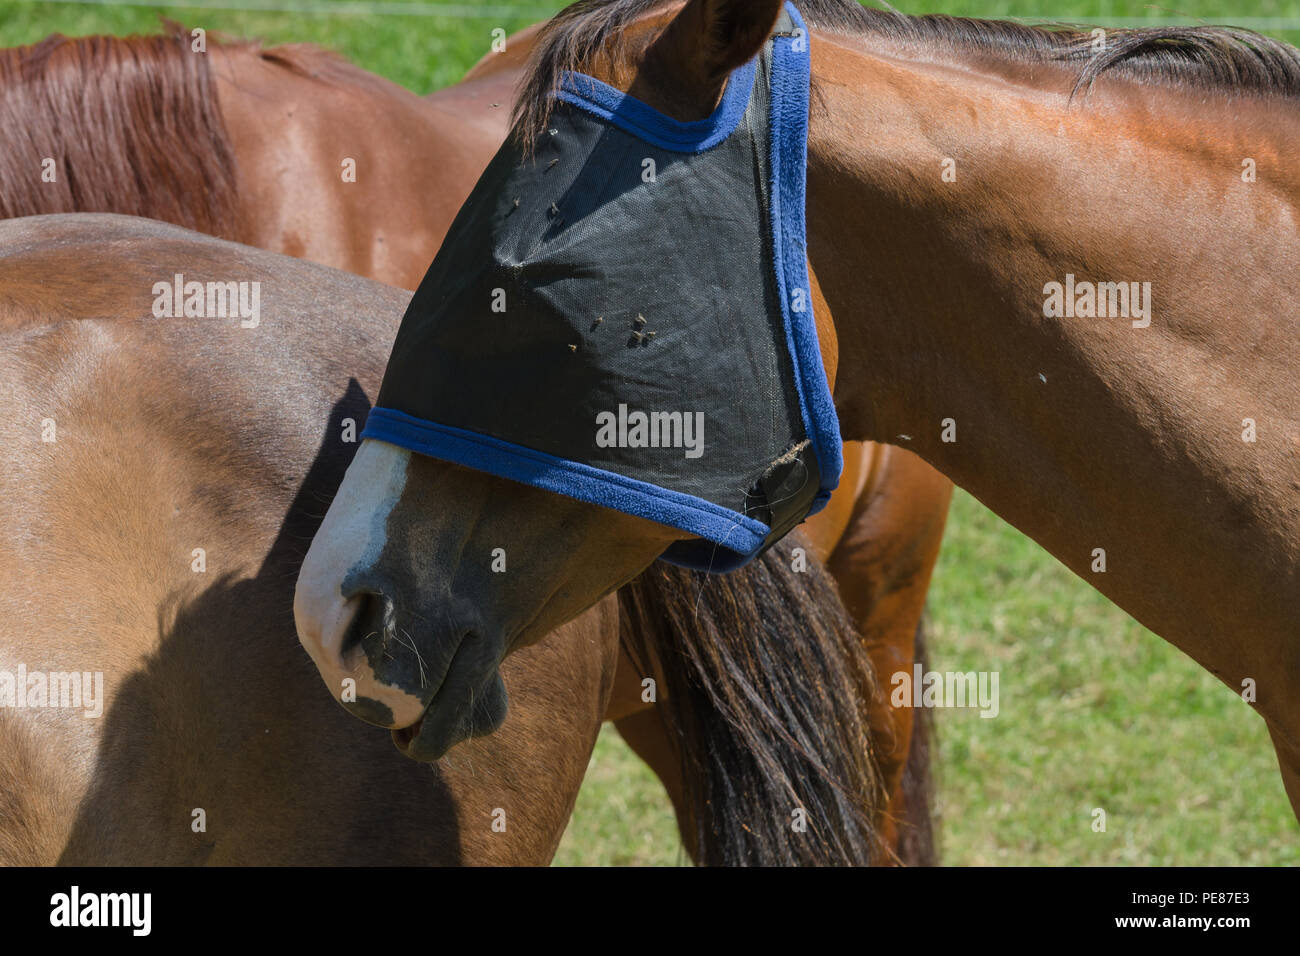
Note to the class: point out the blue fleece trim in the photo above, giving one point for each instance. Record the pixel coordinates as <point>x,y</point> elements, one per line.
<point>722,527</point>
<point>791,76</point>
<point>647,123</point>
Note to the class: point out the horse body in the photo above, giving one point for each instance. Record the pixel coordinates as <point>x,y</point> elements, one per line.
<point>159,429</point>
<point>331,160</point>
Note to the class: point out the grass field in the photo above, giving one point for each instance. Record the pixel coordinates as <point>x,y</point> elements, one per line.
<point>1095,710</point>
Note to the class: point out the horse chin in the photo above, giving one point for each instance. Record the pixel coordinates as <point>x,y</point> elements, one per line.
<point>453,717</point>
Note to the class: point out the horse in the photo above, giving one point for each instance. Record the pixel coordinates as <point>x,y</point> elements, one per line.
<point>880,536</point>
<point>961,175</point>
<point>134,444</point>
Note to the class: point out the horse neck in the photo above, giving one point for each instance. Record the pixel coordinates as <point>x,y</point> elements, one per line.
<point>1085,433</point>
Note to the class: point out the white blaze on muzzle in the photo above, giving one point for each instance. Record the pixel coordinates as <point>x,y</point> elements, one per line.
<point>353,534</point>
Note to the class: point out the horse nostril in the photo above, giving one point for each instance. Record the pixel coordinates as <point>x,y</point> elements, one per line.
<point>367,628</point>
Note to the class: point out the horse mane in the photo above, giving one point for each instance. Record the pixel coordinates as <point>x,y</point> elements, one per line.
<point>1217,59</point>
<point>759,676</point>
<point>133,124</point>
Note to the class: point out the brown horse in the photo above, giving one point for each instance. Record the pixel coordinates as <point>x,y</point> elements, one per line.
<point>1155,456</point>
<point>881,533</point>
<point>131,442</point>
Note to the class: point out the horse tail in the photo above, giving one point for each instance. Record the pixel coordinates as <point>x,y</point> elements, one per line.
<point>759,685</point>
<point>127,125</point>
<point>917,833</point>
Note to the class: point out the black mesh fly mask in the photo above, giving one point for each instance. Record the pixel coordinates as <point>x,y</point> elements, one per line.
<point>624,316</point>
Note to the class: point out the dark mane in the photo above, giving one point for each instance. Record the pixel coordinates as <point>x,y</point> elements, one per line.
<point>1218,59</point>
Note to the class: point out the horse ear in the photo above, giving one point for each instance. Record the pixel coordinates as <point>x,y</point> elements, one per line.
<point>710,38</point>
<point>735,30</point>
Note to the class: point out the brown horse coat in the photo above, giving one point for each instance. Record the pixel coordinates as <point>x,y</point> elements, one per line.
<point>161,444</point>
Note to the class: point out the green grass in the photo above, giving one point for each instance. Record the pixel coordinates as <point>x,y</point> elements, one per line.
<point>1095,710</point>
<point>623,817</point>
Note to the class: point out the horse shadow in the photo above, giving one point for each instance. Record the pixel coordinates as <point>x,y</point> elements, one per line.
<point>224,748</point>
